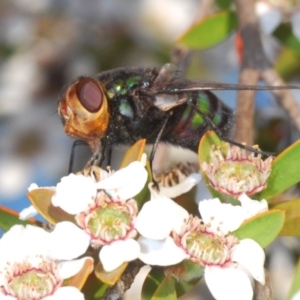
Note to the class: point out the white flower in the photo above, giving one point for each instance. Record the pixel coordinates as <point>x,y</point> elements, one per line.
<point>207,242</point>
<point>179,180</point>
<point>106,211</point>
<point>296,296</point>
<point>34,263</point>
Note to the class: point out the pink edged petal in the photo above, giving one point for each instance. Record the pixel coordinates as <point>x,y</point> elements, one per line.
<point>67,241</point>
<point>66,292</point>
<point>159,217</point>
<point>114,255</point>
<point>27,213</point>
<point>228,283</point>
<point>125,183</point>
<point>70,268</point>
<point>252,207</point>
<point>74,193</point>
<point>251,256</point>
<point>160,253</point>
<point>222,217</point>
<point>181,188</point>
<point>34,240</point>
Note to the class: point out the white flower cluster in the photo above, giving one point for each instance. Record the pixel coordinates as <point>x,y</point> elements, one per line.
<point>162,233</point>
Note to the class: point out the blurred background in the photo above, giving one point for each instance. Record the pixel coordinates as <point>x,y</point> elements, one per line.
<point>45,45</point>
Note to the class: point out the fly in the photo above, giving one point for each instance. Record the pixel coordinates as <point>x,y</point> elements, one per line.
<point>124,105</point>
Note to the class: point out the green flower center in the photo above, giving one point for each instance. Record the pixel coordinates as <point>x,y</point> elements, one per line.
<point>110,222</point>
<point>33,284</point>
<point>206,248</point>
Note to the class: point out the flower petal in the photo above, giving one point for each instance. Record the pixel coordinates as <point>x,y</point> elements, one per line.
<point>181,188</point>
<point>252,207</point>
<point>114,255</point>
<point>28,212</point>
<point>160,253</point>
<point>296,296</point>
<point>250,255</point>
<point>125,183</point>
<point>68,269</point>
<point>74,193</point>
<point>67,241</point>
<point>228,283</point>
<point>66,292</point>
<point>159,216</point>
<point>222,217</point>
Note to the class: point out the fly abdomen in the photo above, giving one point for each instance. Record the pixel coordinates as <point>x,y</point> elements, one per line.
<point>203,111</point>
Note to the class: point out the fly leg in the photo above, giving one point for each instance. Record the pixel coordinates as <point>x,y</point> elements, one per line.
<point>222,137</point>
<point>154,148</point>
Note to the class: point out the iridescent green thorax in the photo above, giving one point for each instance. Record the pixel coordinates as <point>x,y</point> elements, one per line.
<point>122,87</point>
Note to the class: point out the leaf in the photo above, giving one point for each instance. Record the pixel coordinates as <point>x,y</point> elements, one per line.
<point>9,218</point>
<point>133,153</point>
<point>292,216</point>
<point>287,63</point>
<point>80,278</point>
<point>285,34</point>
<point>109,277</point>
<point>224,4</point>
<point>41,199</point>
<point>262,228</point>
<point>210,31</point>
<point>285,172</point>
<point>185,271</point>
<point>157,286</point>
<point>94,288</point>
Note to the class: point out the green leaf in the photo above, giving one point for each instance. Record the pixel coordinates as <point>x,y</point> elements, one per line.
<point>262,228</point>
<point>9,218</point>
<point>292,216</point>
<point>285,172</point>
<point>296,282</point>
<point>93,288</point>
<point>186,271</point>
<point>224,4</point>
<point>158,286</point>
<point>287,63</point>
<point>210,31</point>
<point>285,34</point>
<point>208,139</point>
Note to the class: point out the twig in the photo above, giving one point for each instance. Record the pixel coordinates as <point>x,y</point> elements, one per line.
<point>286,99</point>
<point>263,292</point>
<point>117,291</point>
<point>255,66</point>
<point>253,60</point>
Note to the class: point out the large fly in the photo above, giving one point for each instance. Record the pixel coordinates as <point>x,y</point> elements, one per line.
<point>124,105</point>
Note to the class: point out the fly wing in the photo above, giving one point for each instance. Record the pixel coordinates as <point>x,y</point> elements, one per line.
<point>169,89</point>
<point>163,99</point>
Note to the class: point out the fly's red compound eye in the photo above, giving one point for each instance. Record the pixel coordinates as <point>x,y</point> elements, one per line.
<point>89,94</point>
